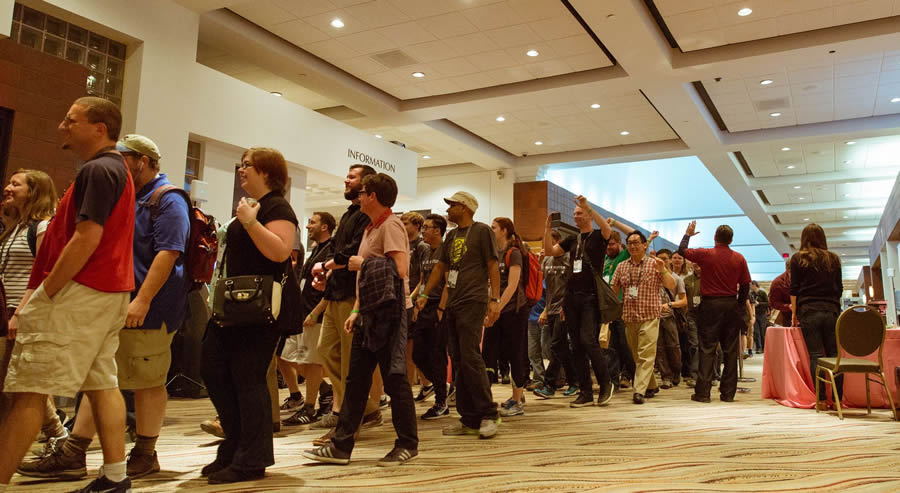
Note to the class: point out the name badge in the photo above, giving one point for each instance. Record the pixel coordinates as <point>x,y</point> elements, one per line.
<point>451,278</point>
<point>606,278</point>
<point>576,266</point>
<point>632,292</point>
<point>696,300</point>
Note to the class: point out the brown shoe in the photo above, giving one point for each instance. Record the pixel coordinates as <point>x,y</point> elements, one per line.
<point>213,427</point>
<point>141,464</point>
<point>324,439</point>
<point>56,466</point>
<point>372,420</point>
<point>823,406</point>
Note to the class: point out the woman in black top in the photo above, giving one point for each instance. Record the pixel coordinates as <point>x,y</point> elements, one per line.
<point>816,289</point>
<point>235,360</point>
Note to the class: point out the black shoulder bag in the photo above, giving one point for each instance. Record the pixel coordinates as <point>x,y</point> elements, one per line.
<point>609,304</point>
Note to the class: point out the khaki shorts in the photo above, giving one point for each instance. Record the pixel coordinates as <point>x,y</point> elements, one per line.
<point>68,343</point>
<point>144,357</point>
<point>301,348</point>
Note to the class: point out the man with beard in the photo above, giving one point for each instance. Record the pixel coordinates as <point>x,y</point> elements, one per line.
<point>469,260</point>
<point>340,295</point>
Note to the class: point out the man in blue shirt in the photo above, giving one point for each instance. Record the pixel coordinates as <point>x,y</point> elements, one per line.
<point>157,309</point>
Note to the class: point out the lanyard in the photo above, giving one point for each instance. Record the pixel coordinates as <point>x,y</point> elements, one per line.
<point>640,271</point>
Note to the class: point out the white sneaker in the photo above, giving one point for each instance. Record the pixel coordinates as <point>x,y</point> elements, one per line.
<point>488,428</point>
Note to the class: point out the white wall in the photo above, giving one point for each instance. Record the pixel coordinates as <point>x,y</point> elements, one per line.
<point>494,195</point>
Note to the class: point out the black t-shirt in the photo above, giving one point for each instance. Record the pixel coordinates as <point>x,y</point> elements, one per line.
<point>341,283</point>
<point>816,289</point>
<point>242,257</point>
<point>469,250</point>
<point>310,296</point>
<point>591,250</point>
<point>98,187</point>
<point>418,250</point>
<point>428,262</point>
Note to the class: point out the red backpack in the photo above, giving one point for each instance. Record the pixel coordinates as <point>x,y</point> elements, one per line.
<point>532,276</point>
<point>203,244</point>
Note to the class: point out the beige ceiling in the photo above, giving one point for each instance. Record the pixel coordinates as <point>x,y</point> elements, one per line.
<point>699,24</point>
<point>787,158</point>
<point>459,45</point>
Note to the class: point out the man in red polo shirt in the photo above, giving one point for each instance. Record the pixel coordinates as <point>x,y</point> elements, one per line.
<point>723,289</point>
<point>77,299</point>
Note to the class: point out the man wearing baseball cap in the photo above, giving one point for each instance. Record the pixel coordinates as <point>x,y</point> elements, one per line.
<point>468,261</point>
<point>157,309</point>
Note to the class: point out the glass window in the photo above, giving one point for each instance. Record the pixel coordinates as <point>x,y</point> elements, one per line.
<point>193,165</point>
<point>114,68</point>
<point>75,53</point>
<point>97,42</point>
<point>31,38</point>
<point>113,87</point>
<point>95,83</point>
<point>14,35</point>
<point>17,12</point>
<point>33,18</point>
<point>96,62</point>
<point>56,27</point>
<point>54,46</point>
<point>77,34</point>
<point>117,50</point>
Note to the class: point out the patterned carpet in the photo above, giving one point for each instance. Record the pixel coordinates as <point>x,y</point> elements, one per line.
<point>668,444</point>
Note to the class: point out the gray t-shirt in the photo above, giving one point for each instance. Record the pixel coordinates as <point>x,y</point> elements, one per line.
<point>418,250</point>
<point>468,251</point>
<point>429,260</point>
<point>515,258</point>
<point>556,277</point>
<point>664,298</point>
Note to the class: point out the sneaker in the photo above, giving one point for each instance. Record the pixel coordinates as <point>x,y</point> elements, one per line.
<point>650,393</point>
<point>327,421</point>
<point>637,398</point>
<point>324,439</point>
<point>328,454</point>
<point>513,409</point>
<point>104,485</point>
<point>398,456</point>
<point>582,401</point>
<point>544,392</point>
<point>605,396</point>
<point>533,384</point>
<point>213,427</point>
<point>291,405</point>
<point>690,382</point>
<point>372,420</point>
<point>492,376</point>
<point>304,416</point>
<point>436,411</point>
<point>326,398</point>
<point>488,428</point>
<point>624,383</point>
<point>425,392</point>
<point>55,466</point>
<point>505,380</point>
<point>666,384</point>
<point>141,464</point>
<point>51,446</point>
<point>572,390</point>
<point>458,429</point>
<point>697,398</point>
<point>451,397</point>
<point>231,475</point>
<point>384,402</point>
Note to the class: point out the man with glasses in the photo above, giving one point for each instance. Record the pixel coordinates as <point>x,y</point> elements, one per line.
<point>641,278</point>
<point>468,262</point>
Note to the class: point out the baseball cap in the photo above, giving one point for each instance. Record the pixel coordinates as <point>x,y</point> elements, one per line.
<point>464,198</point>
<point>139,144</point>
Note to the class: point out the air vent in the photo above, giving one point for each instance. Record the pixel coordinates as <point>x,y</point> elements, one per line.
<point>394,59</point>
<point>772,104</point>
<point>341,113</point>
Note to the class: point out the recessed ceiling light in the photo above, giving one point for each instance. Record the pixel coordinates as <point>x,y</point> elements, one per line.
<point>850,142</point>
<point>744,12</point>
<point>500,118</point>
<point>418,75</point>
<point>806,219</point>
<point>846,195</point>
<point>895,100</point>
<point>532,53</point>
<point>277,94</point>
<point>775,115</point>
<point>843,254</point>
<point>849,161</point>
<point>785,148</point>
<point>801,198</point>
<point>791,167</point>
<point>595,106</point>
<point>538,143</point>
<point>426,157</point>
<point>624,132</point>
<point>846,217</point>
<point>377,136</point>
<point>797,187</point>
<point>337,23</point>
<point>766,82</point>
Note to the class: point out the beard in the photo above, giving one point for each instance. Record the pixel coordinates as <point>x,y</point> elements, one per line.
<point>352,194</point>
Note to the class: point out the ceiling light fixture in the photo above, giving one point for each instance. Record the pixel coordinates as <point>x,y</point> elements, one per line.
<point>846,217</point>
<point>791,167</point>
<point>775,115</point>
<point>538,143</point>
<point>337,23</point>
<point>418,75</point>
<point>595,106</point>
<point>806,219</point>
<point>766,82</point>
<point>797,187</point>
<point>277,94</point>
<point>849,161</point>
<point>426,157</point>
<point>846,195</point>
<point>500,118</point>
<point>532,53</point>
<point>624,132</point>
<point>850,142</point>
<point>744,12</point>
<point>801,198</point>
<point>377,136</point>
<point>895,100</point>
<point>785,148</point>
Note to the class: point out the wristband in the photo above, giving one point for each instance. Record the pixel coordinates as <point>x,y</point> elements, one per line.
<point>354,311</point>
<point>423,295</point>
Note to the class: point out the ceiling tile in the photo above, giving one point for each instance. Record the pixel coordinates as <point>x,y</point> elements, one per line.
<point>581,44</point>
<point>491,59</point>
<point>406,34</point>
<point>368,42</point>
<point>506,37</point>
<point>298,32</point>
<point>672,7</point>
<point>493,16</point>
<point>263,13</point>
<point>417,9</point>
<point>432,51</point>
<point>377,13</point>
<point>448,25</point>
<point>557,27</point>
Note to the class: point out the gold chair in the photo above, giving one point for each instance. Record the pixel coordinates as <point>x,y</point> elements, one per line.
<point>864,333</point>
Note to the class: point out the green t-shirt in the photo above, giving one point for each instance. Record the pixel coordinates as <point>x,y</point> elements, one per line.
<point>609,268</point>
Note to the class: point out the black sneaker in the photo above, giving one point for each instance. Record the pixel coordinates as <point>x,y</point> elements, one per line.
<point>104,485</point>
<point>291,405</point>
<point>398,456</point>
<point>304,416</point>
<point>605,396</point>
<point>698,398</point>
<point>425,392</point>
<point>329,454</point>
<point>436,411</point>
<point>650,393</point>
<point>582,401</point>
<point>384,402</point>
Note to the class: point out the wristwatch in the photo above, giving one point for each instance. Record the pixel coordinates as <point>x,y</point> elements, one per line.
<point>495,300</point>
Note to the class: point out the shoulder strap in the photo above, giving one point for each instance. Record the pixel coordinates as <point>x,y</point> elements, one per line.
<point>156,197</point>
<point>32,237</point>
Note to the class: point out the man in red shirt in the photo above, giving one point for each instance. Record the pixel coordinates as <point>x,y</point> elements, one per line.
<point>722,307</point>
<point>77,299</point>
<point>780,296</point>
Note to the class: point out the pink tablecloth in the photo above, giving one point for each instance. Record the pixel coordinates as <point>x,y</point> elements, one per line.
<point>787,378</point>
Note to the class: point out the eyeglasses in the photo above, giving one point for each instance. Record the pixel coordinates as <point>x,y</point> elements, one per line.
<point>244,165</point>
<point>430,227</point>
<point>634,243</point>
<point>363,191</point>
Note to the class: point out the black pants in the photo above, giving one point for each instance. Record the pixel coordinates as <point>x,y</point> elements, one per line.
<point>688,342</point>
<point>430,350</point>
<point>474,400</point>
<point>668,350</point>
<point>720,324</point>
<point>359,382</point>
<point>560,356</point>
<point>584,328</point>
<point>618,355</point>
<point>235,362</point>
<point>818,332</point>
<point>513,333</point>
<point>491,343</point>
<point>759,330</point>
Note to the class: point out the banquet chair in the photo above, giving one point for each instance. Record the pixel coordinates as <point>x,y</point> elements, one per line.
<point>859,331</point>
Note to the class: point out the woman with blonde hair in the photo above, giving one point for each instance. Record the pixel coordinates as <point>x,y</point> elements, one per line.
<point>29,201</point>
<point>816,288</point>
